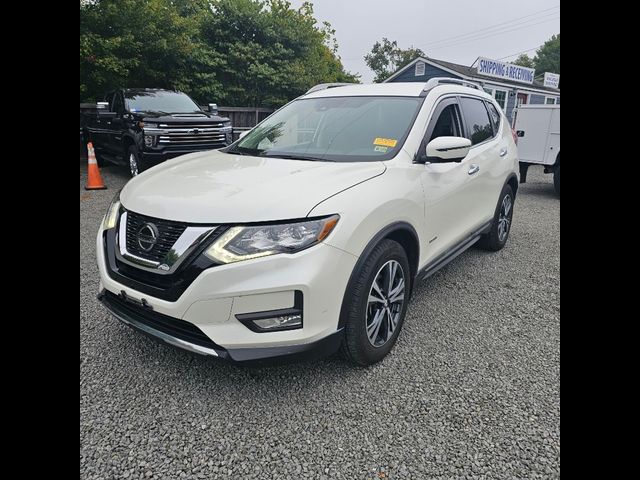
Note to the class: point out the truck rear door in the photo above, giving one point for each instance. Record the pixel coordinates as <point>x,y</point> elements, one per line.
<point>532,127</point>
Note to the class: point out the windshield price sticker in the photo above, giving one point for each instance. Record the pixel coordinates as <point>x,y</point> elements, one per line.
<point>385,142</point>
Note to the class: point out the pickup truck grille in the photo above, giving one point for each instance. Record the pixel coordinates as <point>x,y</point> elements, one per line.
<point>191,134</point>
<point>168,234</point>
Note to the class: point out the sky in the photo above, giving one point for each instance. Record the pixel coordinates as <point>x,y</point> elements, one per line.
<point>457,31</point>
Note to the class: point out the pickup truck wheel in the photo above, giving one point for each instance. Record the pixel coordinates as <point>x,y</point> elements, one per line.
<point>497,237</point>
<point>375,311</point>
<point>556,179</point>
<point>133,157</point>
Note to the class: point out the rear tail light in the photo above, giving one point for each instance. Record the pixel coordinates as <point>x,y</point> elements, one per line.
<point>515,136</point>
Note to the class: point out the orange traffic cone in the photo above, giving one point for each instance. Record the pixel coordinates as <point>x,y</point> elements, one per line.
<point>94,181</point>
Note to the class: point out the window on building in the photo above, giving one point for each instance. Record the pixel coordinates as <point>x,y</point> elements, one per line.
<point>501,98</point>
<point>550,101</point>
<point>420,67</point>
<point>477,119</point>
<point>499,95</point>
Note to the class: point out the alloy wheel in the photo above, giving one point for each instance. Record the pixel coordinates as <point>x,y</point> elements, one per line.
<point>386,299</point>
<point>504,220</point>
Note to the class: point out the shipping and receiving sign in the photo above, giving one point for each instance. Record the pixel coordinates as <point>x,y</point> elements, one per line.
<point>551,80</point>
<point>495,68</point>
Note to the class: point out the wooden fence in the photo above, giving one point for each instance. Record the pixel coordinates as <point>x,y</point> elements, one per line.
<point>243,118</point>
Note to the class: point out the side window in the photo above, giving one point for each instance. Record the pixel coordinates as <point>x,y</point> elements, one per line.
<point>118,103</point>
<point>495,117</point>
<point>109,98</point>
<point>447,124</point>
<point>477,119</point>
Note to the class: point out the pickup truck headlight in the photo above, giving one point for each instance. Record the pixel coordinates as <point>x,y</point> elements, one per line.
<point>244,243</point>
<point>111,218</point>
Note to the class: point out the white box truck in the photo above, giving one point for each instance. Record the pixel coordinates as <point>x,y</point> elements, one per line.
<point>538,131</point>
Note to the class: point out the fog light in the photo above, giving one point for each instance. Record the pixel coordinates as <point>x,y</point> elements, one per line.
<point>280,322</point>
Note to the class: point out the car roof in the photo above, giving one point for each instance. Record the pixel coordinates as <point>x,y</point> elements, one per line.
<point>397,89</point>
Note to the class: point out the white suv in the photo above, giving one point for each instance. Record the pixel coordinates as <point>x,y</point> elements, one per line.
<point>308,234</point>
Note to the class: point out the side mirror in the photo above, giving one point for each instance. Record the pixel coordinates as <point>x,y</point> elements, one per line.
<point>448,149</point>
<point>242,134</point>
<point>213,108</point>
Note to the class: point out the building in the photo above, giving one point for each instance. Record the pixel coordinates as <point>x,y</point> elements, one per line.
<point>509,84</point>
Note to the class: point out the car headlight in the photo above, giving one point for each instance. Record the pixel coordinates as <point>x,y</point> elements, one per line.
<point>244,243</point>
<point>111,218</point>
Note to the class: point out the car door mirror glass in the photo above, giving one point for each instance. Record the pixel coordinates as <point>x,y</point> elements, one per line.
<point>447,149</point>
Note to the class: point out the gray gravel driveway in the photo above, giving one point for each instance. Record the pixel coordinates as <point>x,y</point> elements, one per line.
<point>471,389</point>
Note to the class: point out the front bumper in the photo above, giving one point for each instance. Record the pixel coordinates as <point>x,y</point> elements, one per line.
<point>218,294</point>
<point>176,333</point>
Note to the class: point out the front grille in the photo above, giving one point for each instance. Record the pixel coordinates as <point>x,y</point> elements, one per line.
<point>168,234</point>
<point>185,134</point>
<point>164,323</point>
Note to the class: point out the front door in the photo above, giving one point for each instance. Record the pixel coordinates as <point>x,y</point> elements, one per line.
<point>116,127</point>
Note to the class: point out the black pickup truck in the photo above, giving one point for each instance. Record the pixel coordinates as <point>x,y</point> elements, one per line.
<point>141,127</point>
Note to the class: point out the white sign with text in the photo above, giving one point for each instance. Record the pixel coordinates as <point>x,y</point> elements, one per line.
<point>496,68</point>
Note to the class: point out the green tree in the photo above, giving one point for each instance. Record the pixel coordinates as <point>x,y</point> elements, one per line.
<point>524,60</point>
<point>547,57</point>
<point>234,52</point>
<point>386,57</point>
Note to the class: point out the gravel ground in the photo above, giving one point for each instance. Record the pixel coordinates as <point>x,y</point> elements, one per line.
<point>471,389</point>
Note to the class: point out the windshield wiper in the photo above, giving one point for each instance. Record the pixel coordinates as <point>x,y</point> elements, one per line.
<point>298,157</point>
<point>236,151</point>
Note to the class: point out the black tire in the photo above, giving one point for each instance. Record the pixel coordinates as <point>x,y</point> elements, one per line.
<point>140,167</point>
<point>556,179</point>
<point>494,240</point>
<point>356,309</point>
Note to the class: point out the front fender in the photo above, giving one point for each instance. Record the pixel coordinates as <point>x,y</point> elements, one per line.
<point>395,197</point>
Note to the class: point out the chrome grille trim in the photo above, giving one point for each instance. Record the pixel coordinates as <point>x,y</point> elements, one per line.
<point>190,239</point>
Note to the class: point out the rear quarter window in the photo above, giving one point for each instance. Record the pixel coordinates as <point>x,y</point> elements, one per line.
<point>495,117</point>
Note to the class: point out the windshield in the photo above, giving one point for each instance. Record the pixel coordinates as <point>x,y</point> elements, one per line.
<point>339,129</point>
<point>160,101</point>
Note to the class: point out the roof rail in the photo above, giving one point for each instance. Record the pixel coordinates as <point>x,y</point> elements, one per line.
<point>434,82</point>
<point>324,86</point>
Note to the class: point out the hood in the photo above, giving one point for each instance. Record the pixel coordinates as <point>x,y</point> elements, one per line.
<point>164,117</point>
<point>217,187</point>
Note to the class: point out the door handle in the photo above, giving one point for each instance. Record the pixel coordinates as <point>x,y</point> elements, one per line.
<point>474,169</point>
<point>503,152</point>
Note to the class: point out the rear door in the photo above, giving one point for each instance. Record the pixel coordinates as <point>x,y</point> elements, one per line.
<point>486,161</point>
<point>100,127</point>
